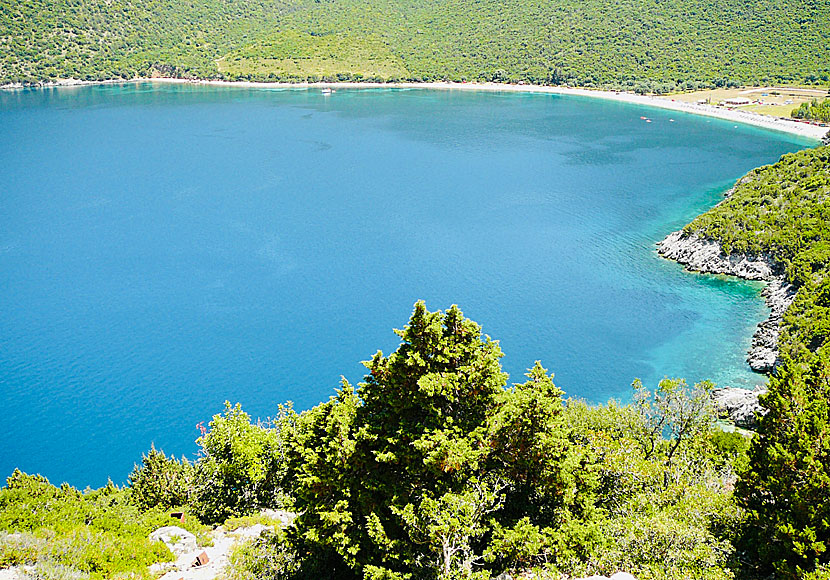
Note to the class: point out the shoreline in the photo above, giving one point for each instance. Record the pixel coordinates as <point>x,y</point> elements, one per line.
<point>792,127</point>
<point>702,255</point>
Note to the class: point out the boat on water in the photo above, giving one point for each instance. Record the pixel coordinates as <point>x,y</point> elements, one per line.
<point>327,91</point>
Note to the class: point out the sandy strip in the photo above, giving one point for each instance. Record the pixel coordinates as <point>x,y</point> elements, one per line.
<point>806,130</point>
<point>813,132</point>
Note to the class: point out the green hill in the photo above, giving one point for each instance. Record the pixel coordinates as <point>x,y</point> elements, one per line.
<point>646,44</point>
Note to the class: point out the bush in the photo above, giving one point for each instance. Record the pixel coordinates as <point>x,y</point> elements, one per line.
<point>242,467</point>
<point>67,533</point>
<point>160,481</point>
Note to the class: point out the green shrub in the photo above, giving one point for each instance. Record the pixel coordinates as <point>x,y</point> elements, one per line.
<point>269,557</point>
<point>96,533</point>
<point>242,466</point>
<point>160,481</point>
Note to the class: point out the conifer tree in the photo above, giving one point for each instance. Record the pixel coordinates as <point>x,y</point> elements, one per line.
<point>786,490</point>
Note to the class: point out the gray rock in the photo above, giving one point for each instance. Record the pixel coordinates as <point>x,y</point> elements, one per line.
<point>702,255</point>
<point>14,573</point>
<point>253,531</point>
<point>739,405</point>
<point>826,138</point>
<point>177,539</point>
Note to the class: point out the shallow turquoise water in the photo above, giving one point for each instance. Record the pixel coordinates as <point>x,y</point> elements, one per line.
<point>165,248</point>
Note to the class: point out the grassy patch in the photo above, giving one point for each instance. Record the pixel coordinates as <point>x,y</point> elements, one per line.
<point>301,55</point>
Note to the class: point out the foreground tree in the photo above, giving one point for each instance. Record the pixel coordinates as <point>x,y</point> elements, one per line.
<point>377,473</point>
<point>786,491</point>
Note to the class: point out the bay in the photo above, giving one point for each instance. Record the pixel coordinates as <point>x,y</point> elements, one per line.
<point>164,248</point>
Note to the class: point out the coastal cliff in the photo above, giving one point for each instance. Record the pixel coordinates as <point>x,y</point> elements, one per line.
<point>699,254</point>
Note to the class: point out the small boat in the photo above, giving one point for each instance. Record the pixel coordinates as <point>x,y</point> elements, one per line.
<point>648,120</point>
<point>643,118</point>
<point>327,91</point>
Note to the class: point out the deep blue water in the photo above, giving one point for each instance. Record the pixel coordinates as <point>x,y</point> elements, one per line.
<point>165,248</point>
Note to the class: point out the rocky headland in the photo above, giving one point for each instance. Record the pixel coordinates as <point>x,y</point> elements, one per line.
<point>698,254</point>
<point>703,255</point>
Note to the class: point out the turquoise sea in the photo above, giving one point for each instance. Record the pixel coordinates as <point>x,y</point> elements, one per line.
<point>166,248</point>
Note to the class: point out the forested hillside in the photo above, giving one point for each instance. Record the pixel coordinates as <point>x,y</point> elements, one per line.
<point>646,44</point>
<point>783,210</point>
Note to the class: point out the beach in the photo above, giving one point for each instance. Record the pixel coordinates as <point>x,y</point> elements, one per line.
<point>809,131</point>
<point>791,126</point>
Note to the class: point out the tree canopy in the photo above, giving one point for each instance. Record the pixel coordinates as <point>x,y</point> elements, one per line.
<point>643,45</point>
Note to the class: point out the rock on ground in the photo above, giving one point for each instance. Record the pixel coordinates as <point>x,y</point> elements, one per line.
<point>177,539</point>
<point>218,554</point>
<point>739,405</point>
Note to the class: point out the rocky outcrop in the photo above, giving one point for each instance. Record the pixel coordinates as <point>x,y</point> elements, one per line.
<point>701,255</point>
<point>740,406</point>
<point>763,356</point>
<point>178,540</point>
<point>208,562</point>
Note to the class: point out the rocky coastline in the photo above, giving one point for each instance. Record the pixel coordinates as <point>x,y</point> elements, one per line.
<point>703,255</point>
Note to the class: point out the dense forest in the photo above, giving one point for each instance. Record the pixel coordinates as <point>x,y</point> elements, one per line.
<point>645,45</point>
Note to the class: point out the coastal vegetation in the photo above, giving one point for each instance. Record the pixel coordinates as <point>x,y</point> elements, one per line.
<point>66,533</point>
<point>434,467</point>
<point>780,213</point>
<point>640,45</point>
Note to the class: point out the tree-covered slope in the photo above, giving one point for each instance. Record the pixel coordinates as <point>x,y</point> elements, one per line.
<point>102,39</point>
<point>658,43</point>
<point>783,210</point>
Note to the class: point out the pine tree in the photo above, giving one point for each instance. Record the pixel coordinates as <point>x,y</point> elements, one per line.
<point>786,490</point>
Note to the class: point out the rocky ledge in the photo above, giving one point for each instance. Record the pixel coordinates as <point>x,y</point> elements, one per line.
<point>701,255</point>
<point>740,406</point>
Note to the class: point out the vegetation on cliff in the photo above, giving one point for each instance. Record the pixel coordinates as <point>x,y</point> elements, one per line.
<point>643,45</point>
<point>66,533</point>
<point>782,212</point>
